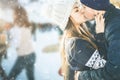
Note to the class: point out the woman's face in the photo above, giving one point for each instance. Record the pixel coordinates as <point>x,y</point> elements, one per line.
<point>76,15</point>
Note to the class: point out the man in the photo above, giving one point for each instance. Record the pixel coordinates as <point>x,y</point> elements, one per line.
<point>111,71</point>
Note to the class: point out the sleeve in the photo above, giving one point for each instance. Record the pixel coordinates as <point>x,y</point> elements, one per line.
<point>101,44</point>
<point>113,51</point>
<point>83,56</point>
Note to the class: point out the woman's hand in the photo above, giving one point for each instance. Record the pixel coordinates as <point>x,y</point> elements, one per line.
<point>99,23</point>
<point>60,72</point>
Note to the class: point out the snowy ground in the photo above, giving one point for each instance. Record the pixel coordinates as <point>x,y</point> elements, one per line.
<point>47,64</point>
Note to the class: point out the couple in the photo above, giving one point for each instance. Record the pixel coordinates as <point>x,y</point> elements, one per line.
<point>80,50</point>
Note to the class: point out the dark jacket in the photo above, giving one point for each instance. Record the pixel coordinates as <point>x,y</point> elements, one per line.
<point>81,55</point>
<point>111,71</point>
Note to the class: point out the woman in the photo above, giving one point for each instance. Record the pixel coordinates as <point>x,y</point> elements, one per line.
<point>21,38</point>
<point>79,47</point>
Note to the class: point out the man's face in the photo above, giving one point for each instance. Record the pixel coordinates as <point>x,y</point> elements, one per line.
<point>89,13</point>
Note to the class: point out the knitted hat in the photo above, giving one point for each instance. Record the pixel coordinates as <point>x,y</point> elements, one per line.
<point>61,12</point>
<point>96,4</point>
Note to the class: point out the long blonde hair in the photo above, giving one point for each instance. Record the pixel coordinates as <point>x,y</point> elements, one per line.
<point>72,31</point>
<point>80,32</point>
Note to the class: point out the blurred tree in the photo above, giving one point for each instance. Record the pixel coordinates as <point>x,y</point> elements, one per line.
<point>116,3</point>
<point>8,3</point>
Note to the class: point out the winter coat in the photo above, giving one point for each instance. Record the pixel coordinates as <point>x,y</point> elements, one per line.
<point>81,55</point>
<point>111,71</point>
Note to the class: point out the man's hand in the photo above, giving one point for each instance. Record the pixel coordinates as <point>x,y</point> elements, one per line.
<point>99,23</point>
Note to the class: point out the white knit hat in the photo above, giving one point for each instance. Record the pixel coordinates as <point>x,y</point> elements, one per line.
<point>61,10</point>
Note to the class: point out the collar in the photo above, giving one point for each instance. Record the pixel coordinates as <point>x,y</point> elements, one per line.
<point>109,10</point>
